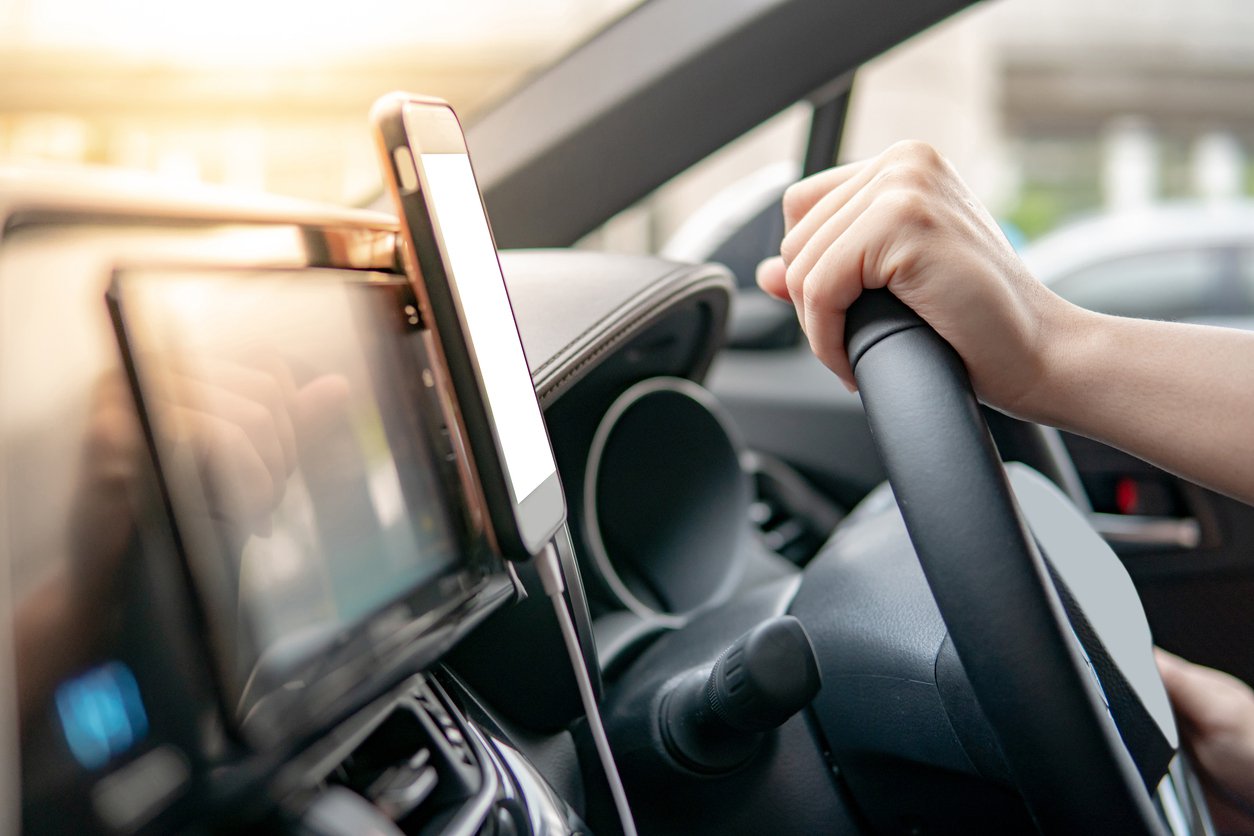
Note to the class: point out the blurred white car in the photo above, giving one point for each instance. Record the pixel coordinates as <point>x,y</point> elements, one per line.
<point>1177,261</point>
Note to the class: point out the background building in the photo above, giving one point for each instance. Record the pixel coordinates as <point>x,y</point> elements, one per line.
<point>1060,108</point>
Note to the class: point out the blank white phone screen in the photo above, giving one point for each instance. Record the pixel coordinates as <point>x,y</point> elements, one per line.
<point>489,320</point>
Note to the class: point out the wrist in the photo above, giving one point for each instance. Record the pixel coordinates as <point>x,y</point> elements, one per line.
<point>1059,347</point>
<point>1071,351</point>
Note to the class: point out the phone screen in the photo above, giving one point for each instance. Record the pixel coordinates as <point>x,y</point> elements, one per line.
<point>479,285</point>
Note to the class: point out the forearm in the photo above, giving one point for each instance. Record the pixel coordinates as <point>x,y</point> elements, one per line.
<point>1179,396</point>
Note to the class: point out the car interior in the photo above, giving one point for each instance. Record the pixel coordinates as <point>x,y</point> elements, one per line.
<point>792,609</point>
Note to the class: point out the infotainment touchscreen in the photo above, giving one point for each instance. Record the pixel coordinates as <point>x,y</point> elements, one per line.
<point>298,450</point>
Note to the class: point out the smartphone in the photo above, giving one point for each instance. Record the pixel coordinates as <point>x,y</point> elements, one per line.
<point>451,258</point>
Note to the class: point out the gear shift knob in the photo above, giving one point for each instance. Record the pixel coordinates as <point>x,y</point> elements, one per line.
<point>715,722</point>
<point>765,677</point>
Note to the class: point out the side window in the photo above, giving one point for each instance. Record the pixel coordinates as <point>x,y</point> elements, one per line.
<point>1177,284</point>
<point>689,216</point>
<point>725,208</point>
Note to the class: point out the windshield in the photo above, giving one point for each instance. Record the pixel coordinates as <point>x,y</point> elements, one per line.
<point>259,94</point>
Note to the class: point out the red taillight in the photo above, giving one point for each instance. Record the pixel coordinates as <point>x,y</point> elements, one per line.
<point>1127,495</point>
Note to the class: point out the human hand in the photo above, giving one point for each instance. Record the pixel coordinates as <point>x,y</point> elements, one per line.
<point>905,220</point>
<point>243,423</point>
<point>1216,715</point>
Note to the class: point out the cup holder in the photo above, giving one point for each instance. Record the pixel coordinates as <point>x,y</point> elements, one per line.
<point>666,501</point>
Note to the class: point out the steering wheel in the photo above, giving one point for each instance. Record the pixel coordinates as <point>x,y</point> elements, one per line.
<point>990,583</point>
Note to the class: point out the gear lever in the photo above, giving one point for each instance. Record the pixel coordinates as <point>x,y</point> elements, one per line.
<point>713,722</point>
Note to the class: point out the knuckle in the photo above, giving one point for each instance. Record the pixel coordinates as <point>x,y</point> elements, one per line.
<point>815,295</point>
<point>908,207</point>
<point>911,164</point>
<point>904,174</point>
<point>919,153</point>
<point>897,175</point>
<point>796,281</point>
<point>790,248</point>
<point>796,201</point>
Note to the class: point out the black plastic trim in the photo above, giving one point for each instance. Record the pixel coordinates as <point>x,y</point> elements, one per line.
<point>658,90</point>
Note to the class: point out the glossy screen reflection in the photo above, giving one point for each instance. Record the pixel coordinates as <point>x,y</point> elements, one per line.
<point>304,495</point>
<point>485,305</point>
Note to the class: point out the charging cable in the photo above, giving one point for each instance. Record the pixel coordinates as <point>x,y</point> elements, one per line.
<point>551,577</point>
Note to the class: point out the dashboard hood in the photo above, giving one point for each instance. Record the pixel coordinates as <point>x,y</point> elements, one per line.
<point>574,308</point>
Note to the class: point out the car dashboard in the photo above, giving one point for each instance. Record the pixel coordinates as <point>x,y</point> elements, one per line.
<point>184,665</point>
<point>453,711</point>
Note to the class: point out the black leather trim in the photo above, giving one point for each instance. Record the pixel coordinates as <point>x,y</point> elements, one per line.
<point>573,308</point>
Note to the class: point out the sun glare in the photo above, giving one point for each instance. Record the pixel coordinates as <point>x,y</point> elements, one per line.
<point>258,94</point>
<point>277,32</point>
<point>273,94</point>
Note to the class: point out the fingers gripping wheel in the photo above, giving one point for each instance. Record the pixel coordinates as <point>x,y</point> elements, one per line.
<point>988,579</point>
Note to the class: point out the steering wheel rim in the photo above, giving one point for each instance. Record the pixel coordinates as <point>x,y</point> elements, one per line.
<point>1016,645</point>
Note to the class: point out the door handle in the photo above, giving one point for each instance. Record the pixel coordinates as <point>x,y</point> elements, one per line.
<point>1150,533</point>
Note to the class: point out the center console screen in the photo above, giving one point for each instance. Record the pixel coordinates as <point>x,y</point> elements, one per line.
<point>297,440</point>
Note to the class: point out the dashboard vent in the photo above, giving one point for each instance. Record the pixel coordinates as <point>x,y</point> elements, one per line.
<point>417,766</point>
<point>794,519</point>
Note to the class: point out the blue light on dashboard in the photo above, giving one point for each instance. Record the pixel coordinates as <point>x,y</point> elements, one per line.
<point>102,714</point>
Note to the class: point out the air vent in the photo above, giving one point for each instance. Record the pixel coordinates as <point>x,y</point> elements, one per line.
<point>793,518</point>
<point>417,766</point>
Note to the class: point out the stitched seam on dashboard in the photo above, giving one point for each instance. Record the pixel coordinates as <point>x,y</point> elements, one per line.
<point>644,291</point>
<point>617,336</point>
<point>621,333</point>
